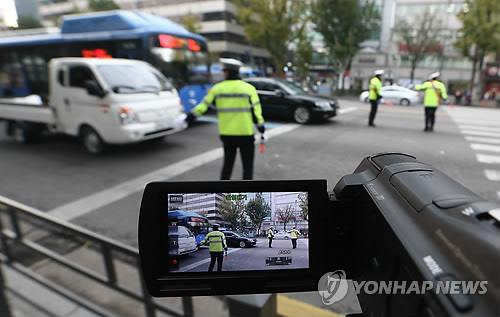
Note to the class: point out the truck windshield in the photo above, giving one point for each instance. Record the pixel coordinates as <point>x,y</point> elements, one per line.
<point>130,79</point>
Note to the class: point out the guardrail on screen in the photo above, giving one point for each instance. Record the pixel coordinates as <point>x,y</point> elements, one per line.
<point>16,222</point>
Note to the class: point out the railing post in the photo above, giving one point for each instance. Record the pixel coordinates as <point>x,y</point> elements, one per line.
<point>4,302</point>
<point>147,299</point>
<point>187,306</point>
<point>15,223</point>
<point>109,264</point>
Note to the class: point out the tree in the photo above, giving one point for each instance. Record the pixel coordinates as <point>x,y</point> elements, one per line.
<point>303,53</point>
<point>232,212</point>
<point>257,210</point>
<point>270,24</point>
<point>191,22</point>
<point>28,22</point>
<point>285,215</point>
<point>480,33</point>
<point>420,38</point>
<point>304,206</point>
<point>102,5</point>
<point>344,25</point>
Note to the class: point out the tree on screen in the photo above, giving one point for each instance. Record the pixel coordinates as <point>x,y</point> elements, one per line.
<point>304,206</point>
<point>102,5</point>
<point>233,212</point>
<point>285,215</point>
<point>257,210</point>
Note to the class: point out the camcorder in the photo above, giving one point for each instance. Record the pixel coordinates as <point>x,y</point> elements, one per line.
<point>432,244</point>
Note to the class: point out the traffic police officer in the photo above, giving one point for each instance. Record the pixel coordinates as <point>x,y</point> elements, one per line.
<point>294,235</point>
<point>434,92</point>
<point>375,94</point>
<point>217,245</point>
<point>270,236</point>
<point>238,108</point>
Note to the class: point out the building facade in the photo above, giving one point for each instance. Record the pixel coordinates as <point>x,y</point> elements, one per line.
<point>387,52</point>
<point>217,22</point>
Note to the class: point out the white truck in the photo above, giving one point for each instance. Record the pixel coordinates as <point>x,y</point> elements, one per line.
<point>101,101</point>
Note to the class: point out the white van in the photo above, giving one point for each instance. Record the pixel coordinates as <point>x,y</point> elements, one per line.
<point>101,101</point>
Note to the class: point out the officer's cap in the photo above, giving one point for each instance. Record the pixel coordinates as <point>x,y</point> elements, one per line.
<point>215,225</point>
<point>230,63</point>
<point>434,75</point>
<point>379,72</point>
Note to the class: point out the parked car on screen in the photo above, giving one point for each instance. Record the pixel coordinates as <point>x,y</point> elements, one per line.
<point>238,240</point>
<point>395,94</point>
<point>181,241</point>
<point>282,235</point>
<point>286,100</point>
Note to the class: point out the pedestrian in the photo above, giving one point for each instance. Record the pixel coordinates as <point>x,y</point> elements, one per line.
<point>294,235</point>
<point>434,93</point>
<point>270,236</point>
<point>238,108</point>
<point>458,97</point>
<point>375,94</point>
<point>217,245</point>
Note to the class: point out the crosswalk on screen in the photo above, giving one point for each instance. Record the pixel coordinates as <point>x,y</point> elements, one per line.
<point>237,231</point>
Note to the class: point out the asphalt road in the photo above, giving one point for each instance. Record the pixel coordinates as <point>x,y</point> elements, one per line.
<point>250,259</point>
<point>103,193</point>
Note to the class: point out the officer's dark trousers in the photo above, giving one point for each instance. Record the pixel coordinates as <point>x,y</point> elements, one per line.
<point>219,256</point>
<point>294,243</point>
<point>270,241</point>
<point>373,111</point>
<point>430,118</point>
<point>247,151</point>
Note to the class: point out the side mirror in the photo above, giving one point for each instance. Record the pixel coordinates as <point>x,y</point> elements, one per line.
<point>94,89</point>
<point>279,93</point>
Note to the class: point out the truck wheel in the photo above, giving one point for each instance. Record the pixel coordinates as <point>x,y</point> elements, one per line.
<point>92,141</point>
<point>24,133</point>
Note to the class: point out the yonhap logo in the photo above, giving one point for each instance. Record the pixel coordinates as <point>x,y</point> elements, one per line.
<point>333,287</point>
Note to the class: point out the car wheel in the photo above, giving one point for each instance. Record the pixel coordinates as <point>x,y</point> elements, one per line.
<point>287,238</point>
<point>404,102</point>
<point>302,115</point>
<point>242,244</point>
<point>92,141</point>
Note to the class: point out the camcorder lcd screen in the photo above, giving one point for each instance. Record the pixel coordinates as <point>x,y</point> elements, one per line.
<point>249,231</point>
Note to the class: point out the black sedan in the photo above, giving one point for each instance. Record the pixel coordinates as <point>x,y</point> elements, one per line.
<point>237,240</point>
<point>286,100</point>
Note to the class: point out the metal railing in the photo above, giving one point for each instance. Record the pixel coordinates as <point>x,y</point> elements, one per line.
<point>16,223</point>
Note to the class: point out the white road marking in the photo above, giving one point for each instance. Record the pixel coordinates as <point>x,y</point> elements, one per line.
<point>488,159</point>
<point>476,122</point>
<point>115,193</point>
<point>485,147</point>
<point>479,128</point>
<point>482,140</point>
<point>206,260</point>
<point>481,133</point>
<point>492,175</point>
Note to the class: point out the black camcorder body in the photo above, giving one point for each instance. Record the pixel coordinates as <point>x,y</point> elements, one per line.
<point>414,241</point>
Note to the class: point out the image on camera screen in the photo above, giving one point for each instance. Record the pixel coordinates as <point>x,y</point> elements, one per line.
<point>237,231</point>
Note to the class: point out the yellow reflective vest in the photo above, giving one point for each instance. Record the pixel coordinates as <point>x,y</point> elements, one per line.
<point>375,88</point>
<point>434,92</point>
<point>270,233</point>
<point>294,233</point>
<point>236,102</point>
<point>216,241</point>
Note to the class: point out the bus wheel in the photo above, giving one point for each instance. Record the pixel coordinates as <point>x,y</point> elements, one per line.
<point>92,141</point>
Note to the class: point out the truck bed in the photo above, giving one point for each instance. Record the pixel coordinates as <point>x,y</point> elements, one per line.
<point>12,110</point>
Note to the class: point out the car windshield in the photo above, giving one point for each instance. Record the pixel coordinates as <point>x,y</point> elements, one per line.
<point>134,78</point>
<point>291,88</point>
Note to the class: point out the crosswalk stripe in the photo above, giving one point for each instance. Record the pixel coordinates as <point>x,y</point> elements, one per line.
<point>483,123</point>
<point>482,140</point>
<point>492,175</point>
<point>485,147</point>
<point>478,128</point>
<point>481,133</point>
<point>488,159</point>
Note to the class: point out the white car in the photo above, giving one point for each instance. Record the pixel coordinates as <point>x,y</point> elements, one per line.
<point>181,240</point>
<point>395,94</point>
<point>282,235</point>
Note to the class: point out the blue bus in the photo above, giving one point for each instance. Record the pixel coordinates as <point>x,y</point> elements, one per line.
<point>195,222</point>
<point>168,46</point>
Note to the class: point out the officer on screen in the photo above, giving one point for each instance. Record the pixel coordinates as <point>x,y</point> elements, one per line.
<point>238,108</point>
<point>217,245</point>
<point>270,236</point>
<point>294,235</point>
